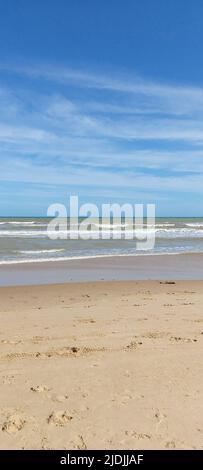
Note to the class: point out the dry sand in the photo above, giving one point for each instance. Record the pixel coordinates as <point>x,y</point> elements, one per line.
<point>102,365</point>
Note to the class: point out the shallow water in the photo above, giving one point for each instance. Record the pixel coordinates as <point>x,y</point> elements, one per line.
<point>26,240</point>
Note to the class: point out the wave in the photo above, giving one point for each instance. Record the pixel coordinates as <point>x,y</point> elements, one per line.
<point>85,257</point>
<point>195,225</point>
<point>68,234</point>
<point>17,223</point>
<point>165,225</point>
<point>122,225</point>
<point>38,252</point>
<point>24,224</point>
<point>23,233</point>
<point>104,225</point>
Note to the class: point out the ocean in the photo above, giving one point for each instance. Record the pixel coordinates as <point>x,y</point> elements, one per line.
<point>25,240</point>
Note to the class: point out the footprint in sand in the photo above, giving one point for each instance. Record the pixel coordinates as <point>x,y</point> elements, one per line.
<point>89,306</point>
<point>59,418</point>
<point>58,398</point>
<point>86,320</point>
<point>184,340</point>
<point>170,445</point>
<point>160,416</point>
<point>53,397</point>
<point>12,342</point>
<point>40,389</point>
<point>45,444</point>
<point>138,435</point>
<point>189,292</point>
<point>188,303</point>
<point>81,445</point>
<point>133,345</point>
<point>8,379</point>
<point>13,423</point>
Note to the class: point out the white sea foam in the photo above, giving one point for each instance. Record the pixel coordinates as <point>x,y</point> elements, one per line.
<point>18,223</point>
<point>160,233</point>
<point>195,225</point>
<point>23,225</point>
<point>83,257</point>
<point>38,252</point>
<point>19,238</point>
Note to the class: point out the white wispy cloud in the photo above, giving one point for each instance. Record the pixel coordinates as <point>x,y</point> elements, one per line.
<point>140,136</point>
<point>174,98</point>
<point>28,171</point>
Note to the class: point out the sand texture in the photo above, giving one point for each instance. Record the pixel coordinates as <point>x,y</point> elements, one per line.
<point>102,365</point>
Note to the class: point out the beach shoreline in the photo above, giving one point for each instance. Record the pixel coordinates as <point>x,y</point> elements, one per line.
<point>140,267</point>
<point>113,365</point>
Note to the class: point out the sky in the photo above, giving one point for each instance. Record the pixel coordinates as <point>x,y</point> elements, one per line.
<point>104,100</point>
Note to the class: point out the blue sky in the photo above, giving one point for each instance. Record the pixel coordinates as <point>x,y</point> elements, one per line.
<point>103,99</point>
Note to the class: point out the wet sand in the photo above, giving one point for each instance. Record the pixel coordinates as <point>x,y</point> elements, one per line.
<point>140,267</point>
<point>102,365</point>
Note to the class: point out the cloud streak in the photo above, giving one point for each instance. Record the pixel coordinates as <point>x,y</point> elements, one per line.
<point>176,99</point>
<point>96,131</point>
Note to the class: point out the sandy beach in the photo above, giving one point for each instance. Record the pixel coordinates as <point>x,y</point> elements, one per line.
<point>102,365</point>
